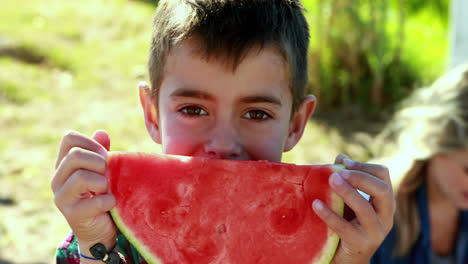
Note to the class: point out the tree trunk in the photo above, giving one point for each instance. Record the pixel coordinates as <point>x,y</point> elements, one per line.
<point>458,32</point>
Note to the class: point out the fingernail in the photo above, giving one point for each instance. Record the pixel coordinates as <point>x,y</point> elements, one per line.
<point>348,163</point>
<point>317,205</point>
<point>336,179</point>
<point>143,85</point>
<point>344,174</point>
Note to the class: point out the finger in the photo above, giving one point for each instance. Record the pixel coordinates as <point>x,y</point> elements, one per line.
<point>364,211</point>
<point>345,230</point>
<point>77,159</point>
<point>80,182</point>
<point>92,207</point>
<point>376,170</point>
<point>339,159</point>
<point>102,138</point>
<point>380,191</point>
<point>73,139</point>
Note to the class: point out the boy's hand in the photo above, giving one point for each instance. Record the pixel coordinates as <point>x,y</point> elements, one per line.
<point>80,189</point>
<point>362,235</point>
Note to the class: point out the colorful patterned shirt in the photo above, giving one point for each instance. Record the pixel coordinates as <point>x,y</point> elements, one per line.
<point>67,251</point>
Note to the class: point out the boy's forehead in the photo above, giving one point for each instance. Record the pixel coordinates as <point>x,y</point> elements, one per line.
<point>194,47</point>
<point>263,70</point>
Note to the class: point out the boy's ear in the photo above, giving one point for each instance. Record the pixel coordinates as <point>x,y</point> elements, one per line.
<point>299,122</point>
<point>149,112</point>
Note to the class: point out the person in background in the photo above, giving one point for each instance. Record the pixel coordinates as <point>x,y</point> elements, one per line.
<point>429,169</point>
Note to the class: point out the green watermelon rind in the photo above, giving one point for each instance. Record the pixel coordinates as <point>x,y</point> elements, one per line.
<point>129,235</point>
<point>326,258</point>
<point>337,205</point>
<point>142,249</point>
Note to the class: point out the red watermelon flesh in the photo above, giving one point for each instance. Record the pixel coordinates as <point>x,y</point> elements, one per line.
<point>176,209</point>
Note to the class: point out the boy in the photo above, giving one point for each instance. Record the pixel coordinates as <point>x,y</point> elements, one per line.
<point>227,81</point>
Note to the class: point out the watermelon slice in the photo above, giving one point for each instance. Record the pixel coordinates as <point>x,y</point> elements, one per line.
<point>177,209</point>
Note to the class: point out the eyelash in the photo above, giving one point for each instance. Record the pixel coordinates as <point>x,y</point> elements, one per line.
<point>185,111</point>
<point>266,116</point>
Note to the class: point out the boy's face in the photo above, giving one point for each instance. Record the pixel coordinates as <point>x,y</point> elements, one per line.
<point>206,109</point>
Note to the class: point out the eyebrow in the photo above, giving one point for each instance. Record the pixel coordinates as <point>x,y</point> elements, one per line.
<point>261,99</point>
<point>194,93</point>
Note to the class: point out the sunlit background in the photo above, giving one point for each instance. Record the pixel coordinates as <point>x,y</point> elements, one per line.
<point>76,64</point>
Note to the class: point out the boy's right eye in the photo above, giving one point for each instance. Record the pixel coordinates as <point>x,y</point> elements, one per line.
<point>193,110</point>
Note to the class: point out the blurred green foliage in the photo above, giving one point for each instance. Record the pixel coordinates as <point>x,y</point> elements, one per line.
<point>440,7</point>
<point>368,55</point>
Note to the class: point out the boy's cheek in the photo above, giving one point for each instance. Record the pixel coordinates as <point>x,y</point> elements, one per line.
<point>183,140</point>
<point>177,144</point>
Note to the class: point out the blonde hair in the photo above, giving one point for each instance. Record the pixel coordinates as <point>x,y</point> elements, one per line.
<point>432,120</point>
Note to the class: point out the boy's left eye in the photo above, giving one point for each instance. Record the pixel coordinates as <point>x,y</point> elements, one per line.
<point>257,115</point>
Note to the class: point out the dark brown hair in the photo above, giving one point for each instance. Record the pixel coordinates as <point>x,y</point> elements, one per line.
<point>228,30</point>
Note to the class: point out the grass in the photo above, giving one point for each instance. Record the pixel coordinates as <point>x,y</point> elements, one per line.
<point>75,65</point>
<point>65,65</point>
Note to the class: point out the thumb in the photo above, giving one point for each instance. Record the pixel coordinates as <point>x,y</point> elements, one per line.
<point>102,138</point>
